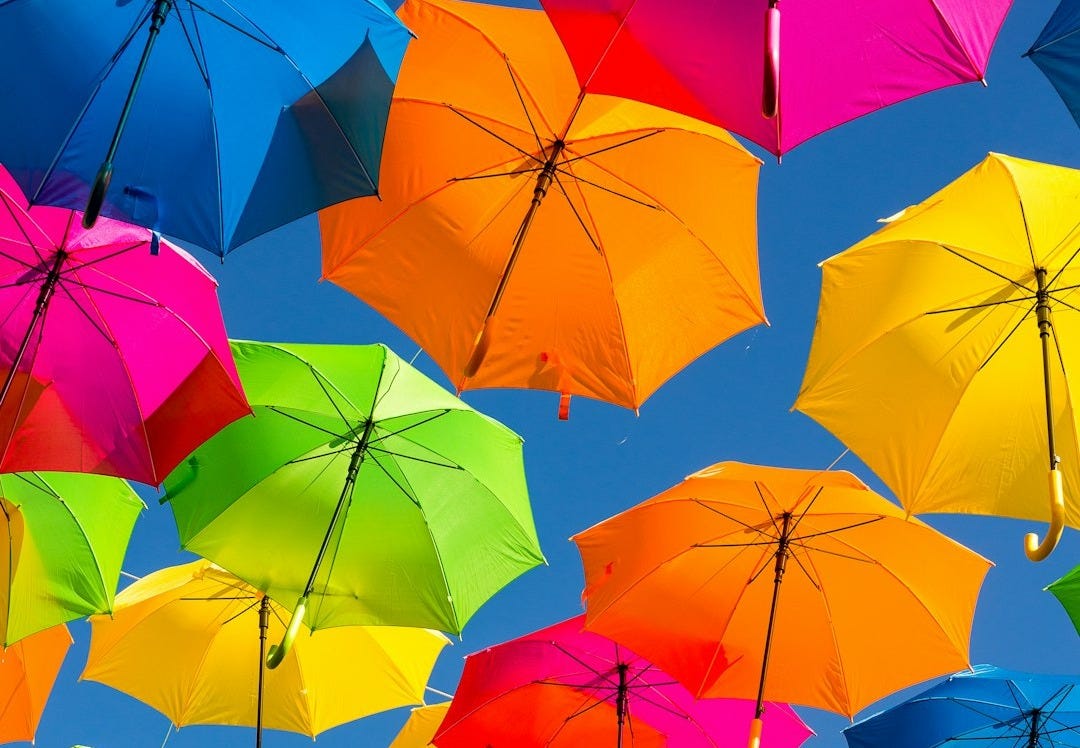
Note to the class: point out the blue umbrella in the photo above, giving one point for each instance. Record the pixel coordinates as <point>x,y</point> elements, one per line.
<point>1057,53</point>
<point>214,120</point>
<point>985,708</point>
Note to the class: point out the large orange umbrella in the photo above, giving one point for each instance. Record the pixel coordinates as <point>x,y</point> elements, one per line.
<point>808,578</point>
<point>529,235</point>
<point>28,669</point>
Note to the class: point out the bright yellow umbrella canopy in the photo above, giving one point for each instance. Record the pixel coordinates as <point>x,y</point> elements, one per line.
<point>421,726</point>
<point>642,251</point>
<point>28,670</point>
<point>927,358</point>
<point>185,640</point>
<point>869,601</point>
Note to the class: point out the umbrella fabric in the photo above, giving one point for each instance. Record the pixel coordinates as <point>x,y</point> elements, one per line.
<point>124,365</point>
<point>277,110</point>
<point>28,670</point>
<point>434,521</point>
<point>1067,591</point>
<point>835,61</point>
<point>563,687</point>
<point>926,356</point>
<point>420,728</point>
<point>634,228</point>
<point>185,640</point>
<point>1057,53</point>
<point>66,534</point>
<point>871,602</point>
<point>986,708</point>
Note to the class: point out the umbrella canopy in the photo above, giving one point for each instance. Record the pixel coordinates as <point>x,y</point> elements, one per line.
<point>532,236</point>
<point>28,670</point>
<point>944,341</point>
<point>1067,591</point>
<point>829,62</point>
<point>186,641</point>
<point>113,352</point>
<point>416,502</point>
<point>871,601</point>
<point>65,538</point>
<point>985,708</point>
<point>1057,53</point>
<point>420,728</point>
<point>216,120</point>
<point>562,687</point>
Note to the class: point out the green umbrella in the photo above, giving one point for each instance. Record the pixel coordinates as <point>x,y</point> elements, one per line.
<point>65,540</point>
<point>1067,591</point>
<point>361,484</point>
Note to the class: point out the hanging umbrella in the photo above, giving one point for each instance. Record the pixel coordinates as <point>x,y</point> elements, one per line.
<point>215,120</point>
<point>829,63</point>
<point>28,670</point>
<point>113,361</point>
<point>562,687</point>
<point>985,708</point>
<point>65,535</point>
<point>1057,53</point>
<point>943,344</point>
<point>531,236</point>
<point>807,577</point>
<point>420,728</point>
<point>361,485</point>
<point>1067,591</point>
<point>188,640</point>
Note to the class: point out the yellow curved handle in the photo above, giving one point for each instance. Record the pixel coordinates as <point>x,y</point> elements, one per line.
<point>278,651</point>
<point>1038,551</point>
<point>755,733</point>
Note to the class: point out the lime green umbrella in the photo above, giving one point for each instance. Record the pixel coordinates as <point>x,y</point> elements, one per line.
<point>1067,591</point>
<point>360,484</point>
<point>66,534</point>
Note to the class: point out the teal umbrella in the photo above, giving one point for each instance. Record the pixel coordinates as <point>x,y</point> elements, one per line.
<point>359,487</point>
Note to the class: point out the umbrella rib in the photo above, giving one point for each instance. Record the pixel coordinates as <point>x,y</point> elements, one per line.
<point>495,135</point>
<point>598,673</point>
<point>26,389</point>
<point>198,55</point>
<point>333,404</point>
<point>524,107</point>
<point>96,324</point>
<point>399,432</point>
<point>738,521</point>
<point>328,432</point>
<point>815,583</point>
<point>321,455</point>
<point>606,148</point>
<point>574,210</point>
<point>835,554</point>
<point>806,509</point>
<point>266,42</point>
<point>20,282</point>
<point>608,190</point>
<point>768,510</point>
<point>987,305</point>
<point>105,257</point>
<point>839,529</point>
<point>146,301</point>
<point>408,490</point>
<point>981,266</point>
<point>22,229</point>
<point>388,453</point>
<point>516,173</point>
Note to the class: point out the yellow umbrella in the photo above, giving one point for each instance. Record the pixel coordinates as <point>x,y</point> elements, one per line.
<point>944,344</point>
<point>421,726</point>
<point>531,235</point>
<point>28,670</point>
<point>188,641</point>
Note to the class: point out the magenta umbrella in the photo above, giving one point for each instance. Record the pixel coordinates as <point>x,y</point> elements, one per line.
<point>113,353</point>
<point>830,62</point>
<point>562,687</point>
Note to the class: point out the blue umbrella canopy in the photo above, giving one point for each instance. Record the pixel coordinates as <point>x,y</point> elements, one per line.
<point>218,120</point>
<point>986,708</point>
<point>1057,53</point>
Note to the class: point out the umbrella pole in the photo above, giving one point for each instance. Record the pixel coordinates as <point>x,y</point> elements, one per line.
<point>264,624</point>
<point>104,175</point>
<point>781,564</point>
<point>620,702</point>
<point>1035,550</point>
<point>278,651</point>
<point>47,289</point>
<point>543,184</point>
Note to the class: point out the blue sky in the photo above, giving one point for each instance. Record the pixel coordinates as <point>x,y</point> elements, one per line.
<point>732,404</point>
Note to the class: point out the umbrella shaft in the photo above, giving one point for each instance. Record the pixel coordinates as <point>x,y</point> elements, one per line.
<point>1042,314</point>
<point>620,703</point>
<point>346,490</point>
<point>781,564</point>
<point>47,289</point>
<point>264,624</point>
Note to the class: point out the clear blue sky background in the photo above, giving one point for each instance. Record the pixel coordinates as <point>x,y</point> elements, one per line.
<point>732,404</point>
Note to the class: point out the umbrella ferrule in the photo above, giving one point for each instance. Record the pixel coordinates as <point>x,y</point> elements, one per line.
<point>157,18</point>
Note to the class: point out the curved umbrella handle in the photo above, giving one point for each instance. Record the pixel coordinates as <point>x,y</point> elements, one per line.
<point>278,651</point>
<point>755,733</point>
<point>480,349</point>
<point>1038,551</point>
<point>97,195</point>
<point>770,89</point>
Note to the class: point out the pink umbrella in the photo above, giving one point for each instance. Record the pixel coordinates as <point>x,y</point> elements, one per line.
<point>562,687</point>
<point>834,60</point>
<point>112,348</point>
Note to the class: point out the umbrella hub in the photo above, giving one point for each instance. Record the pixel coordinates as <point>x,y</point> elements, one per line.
<point>1033,735</point>
<point>547,174</point>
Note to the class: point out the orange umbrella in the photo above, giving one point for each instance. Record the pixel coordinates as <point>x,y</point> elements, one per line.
<point>807,577</point>
<point>28,669</point>
<point>529,235</point>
